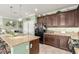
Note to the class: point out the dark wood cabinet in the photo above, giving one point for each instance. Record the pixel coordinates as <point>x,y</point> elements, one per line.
<point>45,20</point>
<point>48,21</point>
<point>64,42</point>
<point>57,41</point>
<point>77,17</point>
<point>34,46</point>
<point>62,19</point>
<point>51,40</point>
<point>70,18</point>
<point>52,20</point>
<point>40,20</point>
<point>55,20</point>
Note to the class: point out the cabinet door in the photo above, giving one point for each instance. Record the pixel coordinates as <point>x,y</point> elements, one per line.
<point>77,18</point>
<point>34,46</point>
<point>56,42</point>
<point>58,20</point>
<point>49,21</point>
<point>62,19</point>
<point>70,19</point>
<point>51,40</point>
<point>55,20</point>
<point>45,20</point>
<point>64,42</point>
<point>40,20</point>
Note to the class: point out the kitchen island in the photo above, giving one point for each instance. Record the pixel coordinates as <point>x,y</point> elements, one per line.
<point>27,44</point>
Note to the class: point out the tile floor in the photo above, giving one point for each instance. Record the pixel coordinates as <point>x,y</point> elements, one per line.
<point>46,49</point>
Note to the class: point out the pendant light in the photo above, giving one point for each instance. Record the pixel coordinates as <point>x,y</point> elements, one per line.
<point>11,11</point>
<point>20,12</point>
<point>11,22</point>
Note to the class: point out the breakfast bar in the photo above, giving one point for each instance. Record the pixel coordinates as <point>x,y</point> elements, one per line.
<point>27,44</point>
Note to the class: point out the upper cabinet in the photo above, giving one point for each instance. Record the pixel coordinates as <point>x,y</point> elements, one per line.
<point>48,21</point>
<point>77,17</point>
<point>55,20</point>
<point>52,20</point>
<point>40,20</point>
<point>61,19</point>
<point>70,18</point>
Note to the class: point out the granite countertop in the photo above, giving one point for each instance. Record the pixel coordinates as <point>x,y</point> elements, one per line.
<point>73,35</point>
<point>62,34</point>
<point>13,41</point>
<point>76,50</point>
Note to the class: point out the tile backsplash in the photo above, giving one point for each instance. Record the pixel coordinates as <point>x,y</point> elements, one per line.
<point>69,29</point>
<point>73,32</point>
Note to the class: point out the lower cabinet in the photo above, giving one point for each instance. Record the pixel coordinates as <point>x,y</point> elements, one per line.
<point>64,42</point>
<point>34,47</point>
<point>57,41</point>
<point>51,40</point>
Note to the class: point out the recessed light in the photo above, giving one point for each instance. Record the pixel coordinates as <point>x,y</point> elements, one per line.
<point>44,14</point>
<point>11,22</point>
<point>36,9</point>
<point>20,19</point>
<point>26,13</point>
<point>39,15</point>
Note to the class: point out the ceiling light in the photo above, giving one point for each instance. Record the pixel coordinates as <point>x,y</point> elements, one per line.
<point>36,9</point>
<point>39,15</point>
<point>44,14</point>
<point>20,19</point>
<point>11,22</point>
<point>26,13</point>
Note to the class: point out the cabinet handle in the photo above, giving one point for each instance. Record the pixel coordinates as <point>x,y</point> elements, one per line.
<point>30,45</point>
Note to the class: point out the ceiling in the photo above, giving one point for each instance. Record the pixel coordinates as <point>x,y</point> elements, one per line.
<point>18,11</point>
